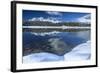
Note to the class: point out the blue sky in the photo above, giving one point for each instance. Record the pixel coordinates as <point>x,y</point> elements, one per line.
<point>61,16</point>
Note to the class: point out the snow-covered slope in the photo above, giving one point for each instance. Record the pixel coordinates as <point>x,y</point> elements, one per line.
<point>80,52</point>
<point>41,57</point>
<point>85,19</point>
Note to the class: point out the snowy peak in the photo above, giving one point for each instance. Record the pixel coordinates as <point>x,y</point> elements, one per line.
<point>49,19</point>
<point>85,19</point>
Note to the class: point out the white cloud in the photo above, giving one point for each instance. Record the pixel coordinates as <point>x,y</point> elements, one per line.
<point>49,19</point>
<point>54,13</point>
<point>85,19</point>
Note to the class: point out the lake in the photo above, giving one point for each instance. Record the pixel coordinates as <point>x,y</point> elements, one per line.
<point>56,42</point>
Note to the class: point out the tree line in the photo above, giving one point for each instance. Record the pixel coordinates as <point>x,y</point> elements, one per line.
<point>46,23</point>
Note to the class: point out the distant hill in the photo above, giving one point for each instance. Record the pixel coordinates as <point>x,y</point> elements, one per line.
<point>47,23</point>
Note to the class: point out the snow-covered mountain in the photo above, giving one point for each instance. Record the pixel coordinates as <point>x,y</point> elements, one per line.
<point>54,21</point>
<point>85,19</point>
<point>49,19</point>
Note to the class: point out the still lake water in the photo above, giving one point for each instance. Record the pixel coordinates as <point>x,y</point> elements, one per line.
<point>58,43</point>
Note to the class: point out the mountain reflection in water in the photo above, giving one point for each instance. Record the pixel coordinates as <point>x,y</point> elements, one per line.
<point>57,43</point>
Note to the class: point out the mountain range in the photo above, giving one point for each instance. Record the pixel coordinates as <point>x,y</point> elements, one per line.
<point>48,23</point>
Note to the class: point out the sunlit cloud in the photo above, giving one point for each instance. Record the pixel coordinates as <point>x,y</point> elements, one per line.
<point>54,13</point>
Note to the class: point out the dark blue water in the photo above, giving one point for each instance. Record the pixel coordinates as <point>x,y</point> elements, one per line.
<point>30,40</point>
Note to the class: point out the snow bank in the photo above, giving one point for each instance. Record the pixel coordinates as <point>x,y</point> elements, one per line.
<point>41,57</point>
<point>80,52</point>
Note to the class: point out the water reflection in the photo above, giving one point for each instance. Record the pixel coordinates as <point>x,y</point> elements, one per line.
<point>57,43</point>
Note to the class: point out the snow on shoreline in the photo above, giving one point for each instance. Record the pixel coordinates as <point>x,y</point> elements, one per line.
<point>80,52</point>
<point>42,57</point>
